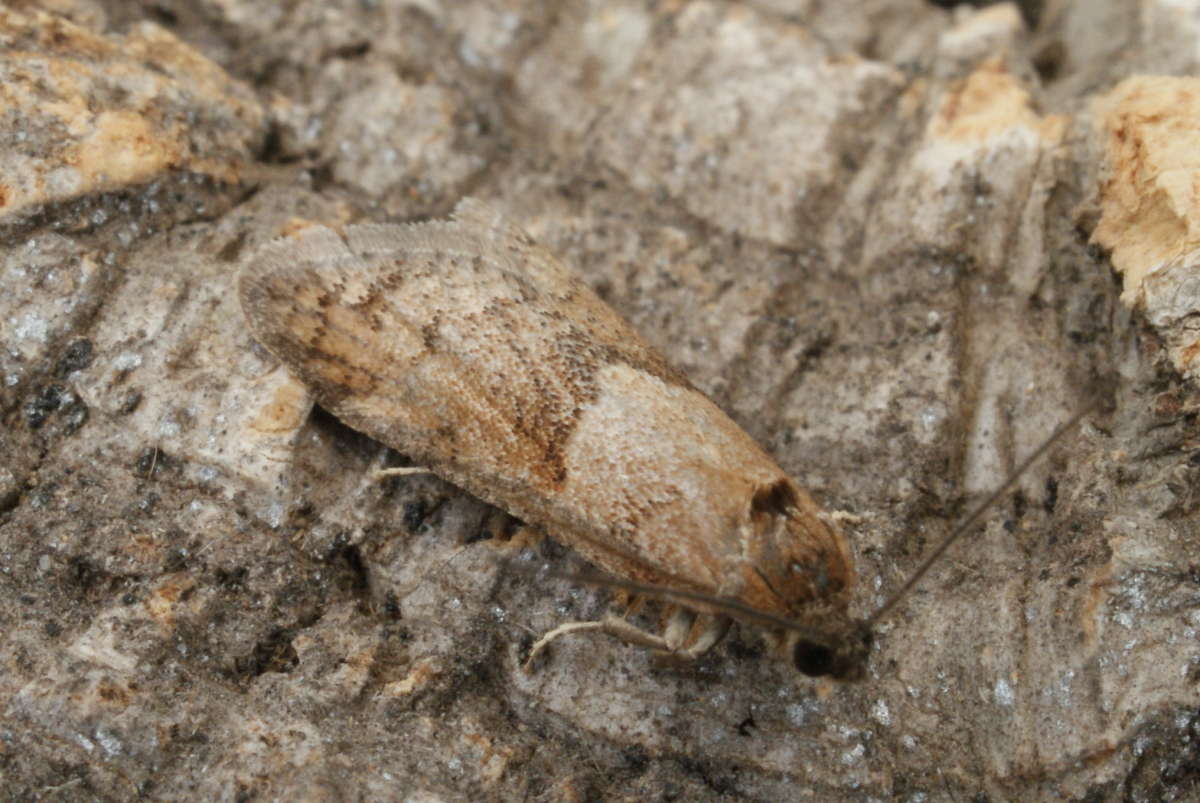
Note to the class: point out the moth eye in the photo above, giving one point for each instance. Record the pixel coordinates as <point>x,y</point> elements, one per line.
<point>812,659</point>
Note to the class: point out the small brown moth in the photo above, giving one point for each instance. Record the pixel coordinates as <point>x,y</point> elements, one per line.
<point>468,347</point>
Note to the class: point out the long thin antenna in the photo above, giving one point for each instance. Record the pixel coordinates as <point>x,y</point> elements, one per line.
<point>973,519</point>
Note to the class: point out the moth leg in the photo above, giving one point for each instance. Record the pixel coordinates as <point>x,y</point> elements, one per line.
<point>671,642</point>
<point>691,635</point>
<point>400,471</point>
<point>678,627</point>
<point>715,628</point>
<point>839,516</point>
<point>611,625</point>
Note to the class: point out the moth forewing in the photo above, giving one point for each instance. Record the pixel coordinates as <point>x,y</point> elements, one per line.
<point>474,351</point>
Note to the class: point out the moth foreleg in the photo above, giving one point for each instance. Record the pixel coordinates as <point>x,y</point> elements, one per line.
<point>678,627</point>
<point>679,633</point>
<point>715,628</point>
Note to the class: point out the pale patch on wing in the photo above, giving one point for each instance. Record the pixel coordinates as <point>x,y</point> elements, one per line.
<point>669,473</point>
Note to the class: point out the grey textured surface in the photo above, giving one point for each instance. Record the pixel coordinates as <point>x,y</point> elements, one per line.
<point>864,234</point>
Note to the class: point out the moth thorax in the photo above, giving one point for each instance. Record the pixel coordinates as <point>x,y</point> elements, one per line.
<point>801,557</point>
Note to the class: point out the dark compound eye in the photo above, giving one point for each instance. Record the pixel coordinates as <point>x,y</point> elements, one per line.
<point>844,659</point>
<point>814,660</point>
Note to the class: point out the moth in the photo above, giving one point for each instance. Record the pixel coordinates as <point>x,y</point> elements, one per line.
<point>473,350</point>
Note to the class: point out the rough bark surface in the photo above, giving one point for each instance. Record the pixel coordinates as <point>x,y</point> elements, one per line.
<point>877,234</point>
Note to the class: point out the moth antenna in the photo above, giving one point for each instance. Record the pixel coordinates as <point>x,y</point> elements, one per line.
<point>664,594</point>
<point>973,519</point>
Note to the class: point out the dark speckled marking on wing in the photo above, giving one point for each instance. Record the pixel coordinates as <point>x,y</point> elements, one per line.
<point>364,317</point>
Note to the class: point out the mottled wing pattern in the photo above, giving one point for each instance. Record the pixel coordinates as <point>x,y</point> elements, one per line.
<point>470,348</point>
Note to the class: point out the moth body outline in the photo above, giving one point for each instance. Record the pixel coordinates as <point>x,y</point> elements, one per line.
<point>470,348</point>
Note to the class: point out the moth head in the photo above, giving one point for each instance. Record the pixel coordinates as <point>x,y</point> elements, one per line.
<point>841,656</point>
